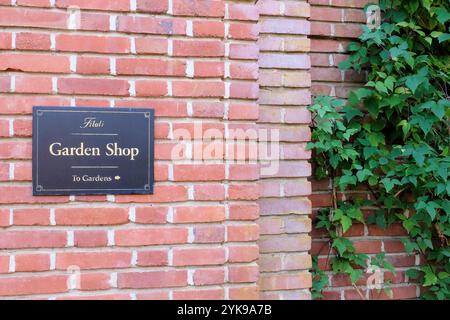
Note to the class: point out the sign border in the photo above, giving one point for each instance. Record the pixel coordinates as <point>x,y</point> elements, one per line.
<point>39,191</point>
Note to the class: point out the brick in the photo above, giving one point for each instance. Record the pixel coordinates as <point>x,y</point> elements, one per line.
<point>243,31</point>
<point>242,233</point>
<point>244,172</point>
<point>209,276</point>
<point>23,104</point>
<point>243,191</point>
<point>32,262</point>
<point>35,18</point>
<point>95,5</point>
<point>4,171</point>
<point>93,65</point>
<point>208,29</point>
<point>244,71</point>
<point>34,63</point>
<point>210,294</point>
<point>26,285</point>
<point>244,51</point>
<point>22,171</point>
<point>155,295</point>
<point>151,25</point>
<point>5,40</point>
<point>285,97</point>
<point>243,253</point>
<point>208,109</point>
<point>244,293</point>
<point>297,9</point>
<point>94,21</point>
<point>33,41</point>
<point>243,11</point>
<point>161,194</point>
<point>151,215</point>
<point>93,260</point>
<point>151,88</point>
<point>207,172</point>
<point>4,128</point>
<point>108,87</point>
<point>326,14</point>
<point>284,244</point>
<point>26,84</point>
<point>297,262</point>
<point>152,258</point>
<point>283,61</point>
<point>207,89</point>
<point>199,48</point>
<point>31,217</point>
<point>90,238</point>
<point>22,127</point>
<point>152,6</point>
<point>244,90</point>
<point>208,69</point>
<point>209,192</point>
<point>97,44</point>
<point>244,212</point>
<point>198,256</point>
<point>286,281</point>
<point>91,216</point>
<point>152,279</point>
<point>154,236</point>
<point>5,84</point>
<point>154,67</point>
<point>285,206</point>
<point>241,274</point>
<point>151,45</point>
<point>94,281</point>
<point>32,239</point>
<point>199,214</point>
<point>270,263</point>
<point>284,26</point>
<point>199,8</point>
<point>4,218</point>
<point>4,264</point>
<point>209,234</point>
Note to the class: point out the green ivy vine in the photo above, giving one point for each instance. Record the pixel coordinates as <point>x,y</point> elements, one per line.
<point>392,138</point>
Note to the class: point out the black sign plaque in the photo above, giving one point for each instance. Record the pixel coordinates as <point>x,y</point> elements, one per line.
<point>82,151</point>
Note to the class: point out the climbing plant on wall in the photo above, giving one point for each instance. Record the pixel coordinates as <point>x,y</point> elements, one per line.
<point>392,138</point>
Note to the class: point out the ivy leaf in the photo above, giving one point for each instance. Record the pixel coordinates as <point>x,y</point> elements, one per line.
<point>442,15</point>
<point>341,245</point>
<point>346,223</point>
<point>351,112</point>
<point>381,87</point>
<point>419,154</point>
<point>389,183</point>
<point>413,82</point>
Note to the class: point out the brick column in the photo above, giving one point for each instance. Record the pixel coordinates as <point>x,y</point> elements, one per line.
<point>284,94</point>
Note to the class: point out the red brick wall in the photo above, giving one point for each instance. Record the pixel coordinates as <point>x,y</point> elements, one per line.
<point>333,24</point>
<point>284,205</point>
<point>193,61</point>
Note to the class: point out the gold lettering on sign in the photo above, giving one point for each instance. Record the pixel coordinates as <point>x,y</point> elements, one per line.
<point>112,150</point>
<point>56,150</point>
<point>92,122</point>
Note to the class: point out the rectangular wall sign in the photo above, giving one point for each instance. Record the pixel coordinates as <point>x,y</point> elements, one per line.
<point>92,151</point>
